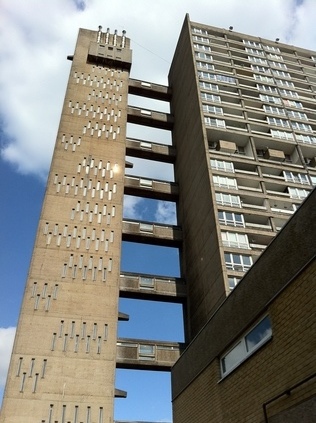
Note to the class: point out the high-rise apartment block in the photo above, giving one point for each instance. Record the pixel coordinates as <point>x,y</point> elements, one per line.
<point>243,126</point>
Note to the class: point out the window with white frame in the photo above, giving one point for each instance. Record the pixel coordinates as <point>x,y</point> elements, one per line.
<point>298,193</point>
<point>199,31</point>
<point>259,68</point>
<point>205,56</point>
<point>274,110</point>
<point>218,123</point>
<point>277,72</point>
<point>285,83</point>
<point>251,43</point>
<point>306,139</point>
<point>238,262</point>
<point>292,103</point>
<point>227,199</point>
<point>275,57</point>
<point>202,47</point>
<point>313,179</point>
<point>212,109</point>
<point>263,78</point>
<point>256,337</point>
<point>257,60</point>
<point>231,219</point>
<point>208,86</point>
<point>289,93</point>
<point>301,126</point>
<point>272,48</point>
<point>202,39</point>
<point>205,65</point>
<point>222,165</point>
<point>207,75</point>
<point>295,177</point>
<point>225,182</point>
<point>267,88</point>
<point>254,51</point>
<point>282,134</point>
<point>295,114</point>
<point>210,97</point>
<point>235,240</point>
<point>270,99</point>
<point>232,282</point>
<point>278,65</point>
<point>278,122</point>
<point>224,78</point>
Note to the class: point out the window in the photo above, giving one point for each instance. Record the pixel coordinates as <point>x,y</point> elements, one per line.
<point>267,88</point>
<point>199,31</point>
<point>285,83</point>
<point>212,109</point>
<point>270,99</point>
<point>205,65</point>
<point>275,57</point>
<point>313,179</point>
<point>221,165</point>
<point>210,97</point>
<point>289,93</point>
<point>231,219</point>
<point>202,47</point>
<point>298,193</point>
<point>215,77</point>
<point>204,56</point>
<point>202,39</point>
<point>292,103</point>
<point>274,110</point>
<point>251,43</point>
<point>257,60</point>
<point>254,51</point>
<point>306,139</point>
<point>235,240</point>
<point>219,123</point>
<point>282,134</point>
<point>260,69</point>
<point>272,48</point>
<point>227,199</point>
<point>295,114</point>
<point>263,78</point>
<point>146,352</point>
<point>247,345</point>
<point>277,72</point>
<point>208,86</point>
<point>238,262</point>
<point>278,65</point>
<point>232,282</point>
<point>224,182</point>
<point>301,126</point>
<point>278,122</point>
<point>295,177</point>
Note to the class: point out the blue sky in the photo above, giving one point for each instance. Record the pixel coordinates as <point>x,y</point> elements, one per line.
<point>33,78</point>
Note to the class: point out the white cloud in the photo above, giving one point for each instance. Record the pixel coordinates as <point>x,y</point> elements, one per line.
<point>130,207</point>
<point>37,36</point>
<point>6,343</point>
<point>166,213</point>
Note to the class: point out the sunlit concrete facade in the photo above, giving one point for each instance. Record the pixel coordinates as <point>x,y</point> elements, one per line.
<point>242,121</point>
<point>244,130</point>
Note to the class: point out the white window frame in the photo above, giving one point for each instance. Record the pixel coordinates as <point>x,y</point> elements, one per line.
<point>306,139</point>
<point>292,103</point>
<point>229,219</point>
<point>259,68</point>
<point>217,123</point>
<point>281,134</point>
<point>254,51</point>
<point>278,122</point>
<point>251,43</point>
<point>294,177</point>
<point>270,99</point>
<point>274,110</point>
<point>225,182</point>
<point>210,97</point>
<point>278,65</point>
<point>297,115</point>
<point>222,165</point>
<point>267,88</point>
<point>289,93</point>
<point>207,108</point>
<point>258,60</point>
<point>263,78</point>
<point>208,86</point>
<point>235,240</point>
<point>299,126</point>
<point>240,265</point>
<point>298,193</point>
<point>205,65</point>
<point>244,348</point>
<point>228,199</point>
<point>285,83</point>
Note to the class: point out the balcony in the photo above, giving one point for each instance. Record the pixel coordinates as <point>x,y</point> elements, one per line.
<point>152,287</point>
<point>147,355</point>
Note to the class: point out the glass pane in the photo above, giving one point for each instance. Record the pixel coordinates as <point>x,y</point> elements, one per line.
<point>233,357</point>
<point>258,334</point>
